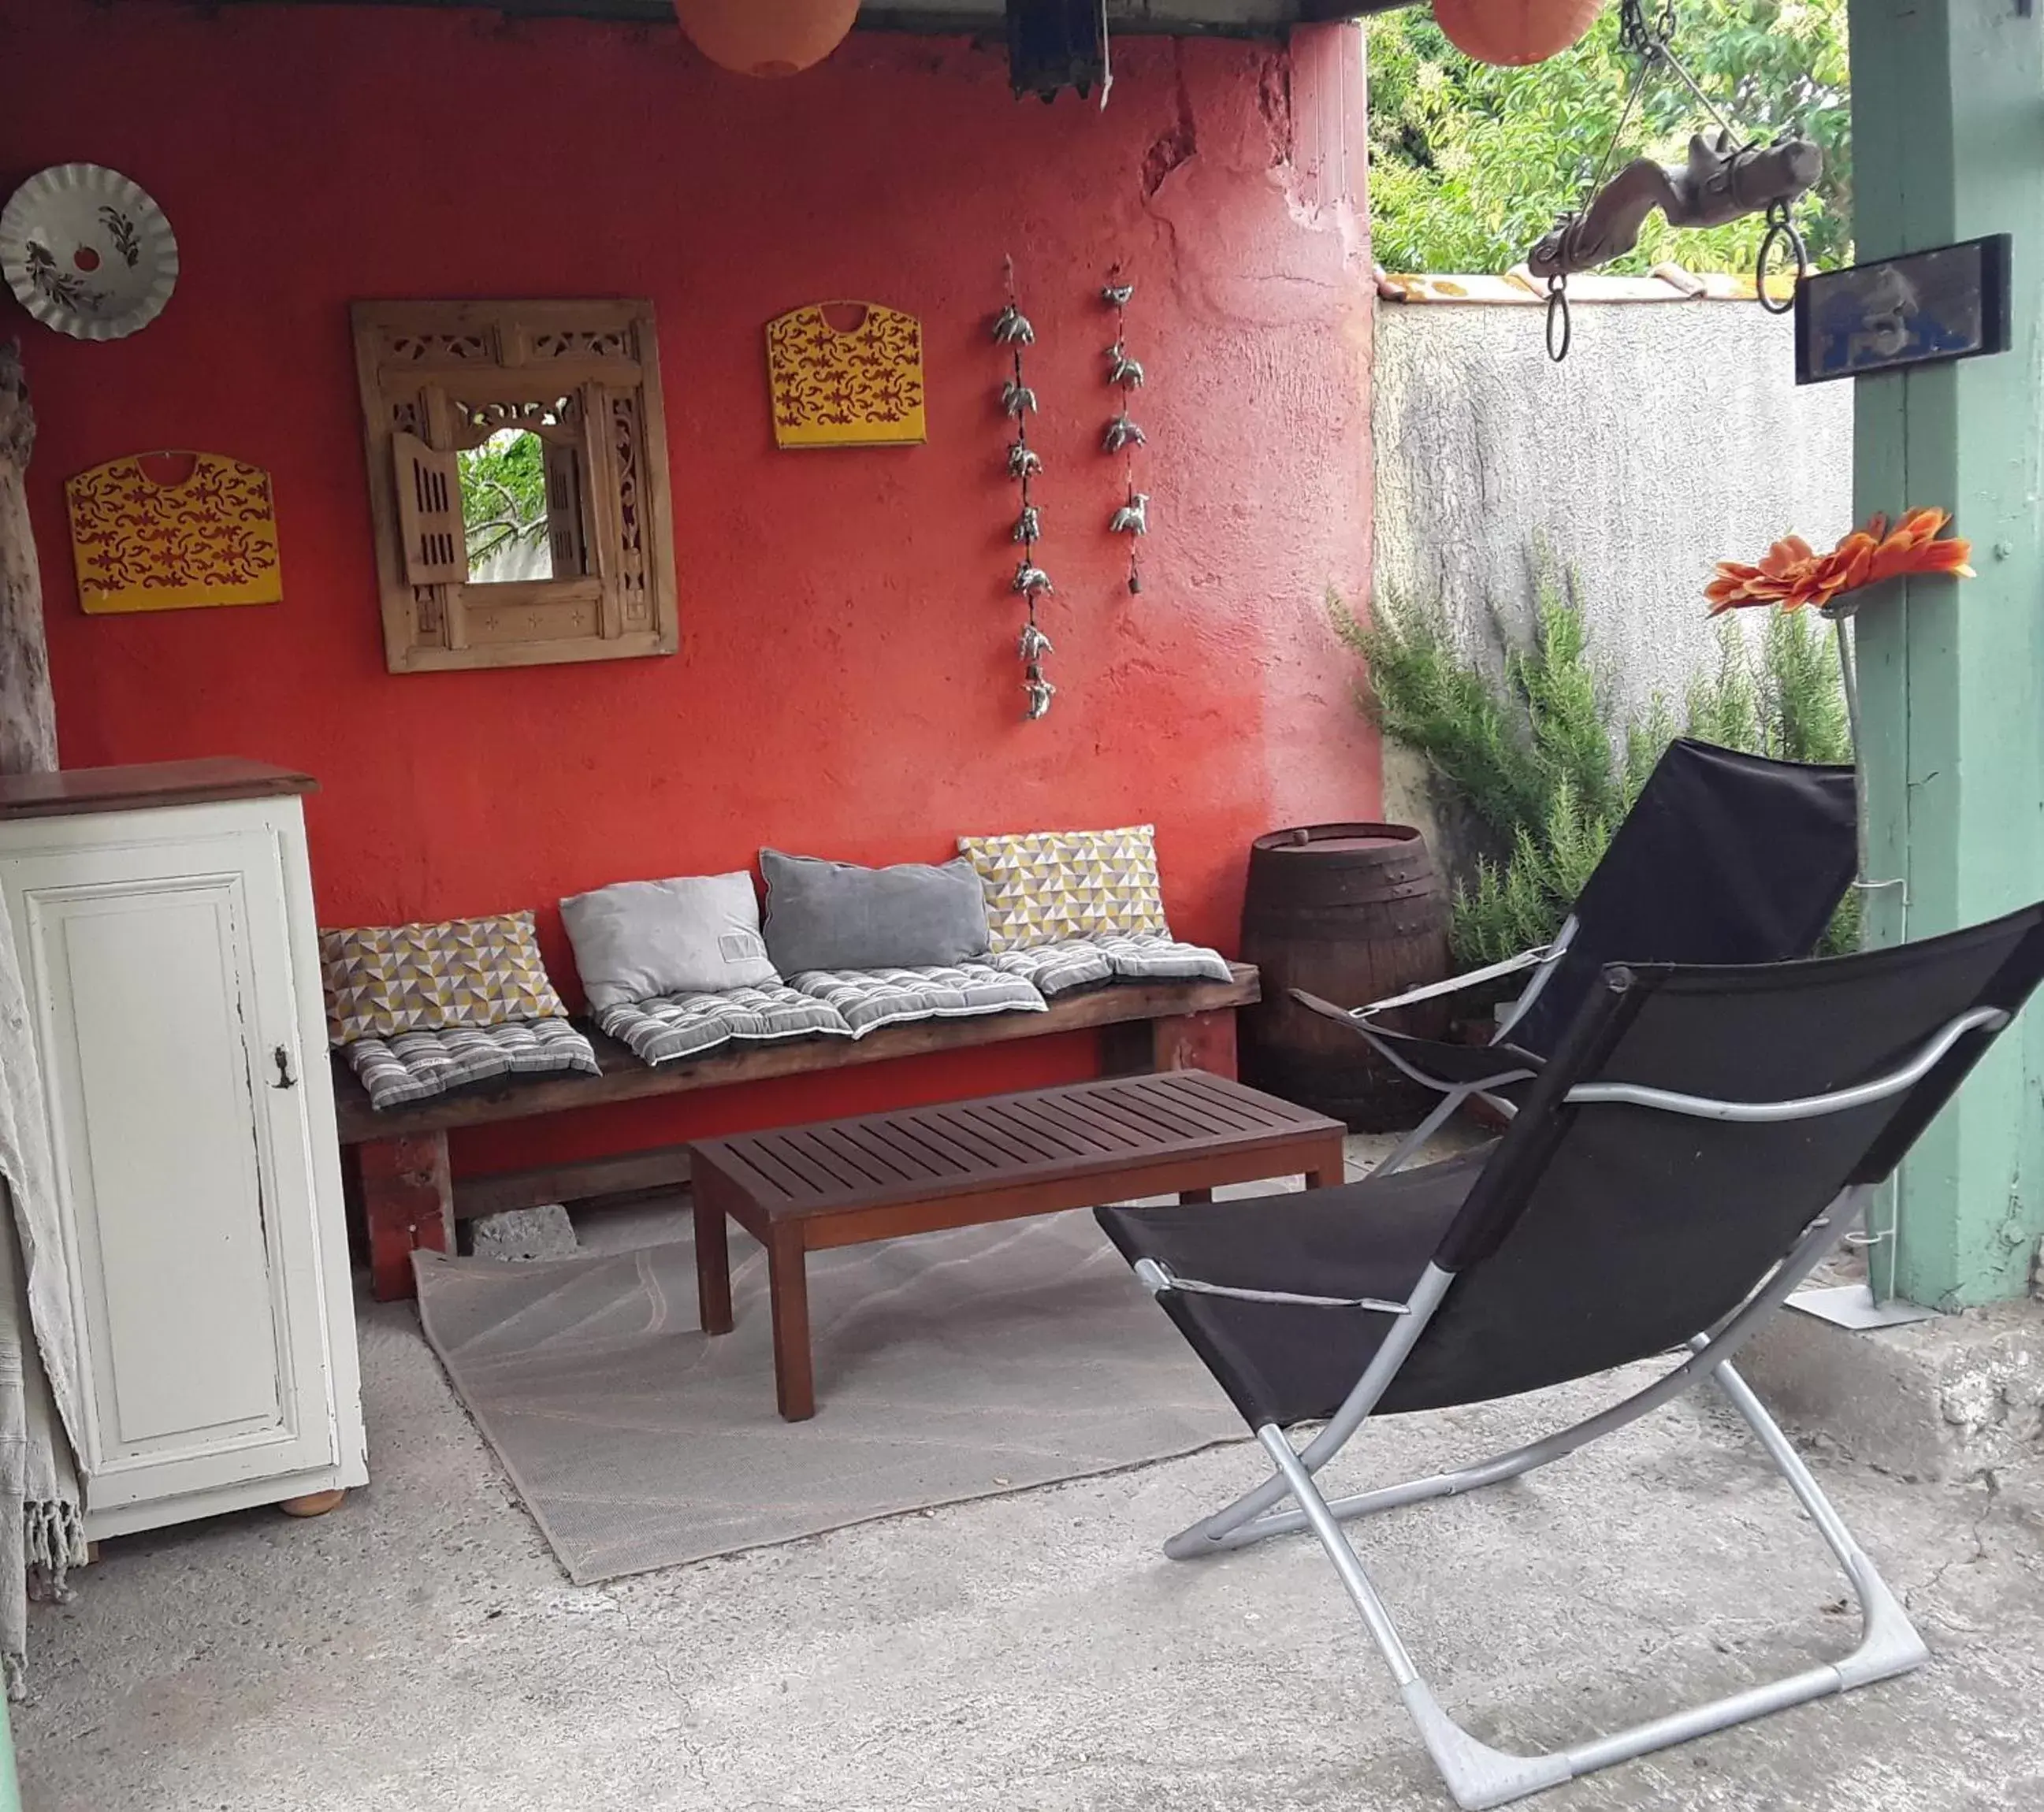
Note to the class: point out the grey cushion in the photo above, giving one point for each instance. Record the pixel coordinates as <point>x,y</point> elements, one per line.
<point>1055,968</point>
<point>671,1026</point>
<point>416,1066</point>
<point>870,998</point>
<point>1143,956</point>
<point>696,934</point>
<point>835,915</point>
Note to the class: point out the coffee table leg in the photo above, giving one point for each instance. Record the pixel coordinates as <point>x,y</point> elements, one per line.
<point>788,1279</point>
<point>1196,1195</point>
<point>1331,1168</point>
<point>712,1264</point>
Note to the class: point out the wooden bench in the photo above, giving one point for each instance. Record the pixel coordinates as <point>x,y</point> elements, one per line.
<point>809,1188</point>
<point>409,1198</point>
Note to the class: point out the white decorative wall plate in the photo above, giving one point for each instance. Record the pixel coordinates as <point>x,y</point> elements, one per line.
<point>87,252</point>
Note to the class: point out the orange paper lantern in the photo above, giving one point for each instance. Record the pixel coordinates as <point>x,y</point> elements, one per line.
<point>766,37</point>
<point>1514,32</point>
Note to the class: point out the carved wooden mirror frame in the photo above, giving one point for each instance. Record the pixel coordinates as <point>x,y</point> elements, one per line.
<point>439,378</point>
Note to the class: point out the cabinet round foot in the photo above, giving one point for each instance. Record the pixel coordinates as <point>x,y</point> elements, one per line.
<point>314,1503</point>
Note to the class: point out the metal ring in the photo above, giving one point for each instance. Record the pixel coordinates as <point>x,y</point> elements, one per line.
<point>1780,227</point>
<point>1557,307</point>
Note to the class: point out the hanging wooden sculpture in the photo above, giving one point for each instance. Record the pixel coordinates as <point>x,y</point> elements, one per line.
<point>173,532</point>
<point>1514,32</point>
<point>1724,179</point>
<point>846,374</point>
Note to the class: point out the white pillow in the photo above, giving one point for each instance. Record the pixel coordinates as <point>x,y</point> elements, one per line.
<point>695,934</point>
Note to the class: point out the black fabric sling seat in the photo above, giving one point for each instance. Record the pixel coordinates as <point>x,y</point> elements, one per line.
<point>1371,1239</point>
<point>1724,857</point>
<point>1592,1233</point>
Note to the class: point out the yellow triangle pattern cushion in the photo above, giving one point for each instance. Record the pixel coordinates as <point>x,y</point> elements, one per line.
<point>383,979</point>
<point>1050,886</point>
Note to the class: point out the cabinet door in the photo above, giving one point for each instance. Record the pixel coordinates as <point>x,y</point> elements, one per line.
<point>161,977</point>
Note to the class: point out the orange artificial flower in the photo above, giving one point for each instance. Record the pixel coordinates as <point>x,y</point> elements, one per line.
<point>1792,573</point>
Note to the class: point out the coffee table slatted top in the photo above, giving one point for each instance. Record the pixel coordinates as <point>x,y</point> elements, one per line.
<point>966,1147</point>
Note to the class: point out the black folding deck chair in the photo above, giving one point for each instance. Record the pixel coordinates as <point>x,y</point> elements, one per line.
<point>1702,1139</point>
<point>1724,857</point>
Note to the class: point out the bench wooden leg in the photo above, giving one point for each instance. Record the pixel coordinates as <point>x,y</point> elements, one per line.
<point>1195,1196</point>
<point>712,1262</point>
<point>787,1284</point>
<point>1195,1041</point>
<point>408,1204</point>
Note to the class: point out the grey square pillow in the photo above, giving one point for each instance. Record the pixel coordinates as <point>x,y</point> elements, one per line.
<point>835,915</point>
<point>697,934</point>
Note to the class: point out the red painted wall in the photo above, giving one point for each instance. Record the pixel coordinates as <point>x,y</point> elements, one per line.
<point>847,684</point>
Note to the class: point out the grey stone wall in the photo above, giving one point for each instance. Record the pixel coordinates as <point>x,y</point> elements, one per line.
<point>1673,435</point>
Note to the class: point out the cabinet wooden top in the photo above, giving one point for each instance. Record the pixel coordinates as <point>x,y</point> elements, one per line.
<point>73,790</point>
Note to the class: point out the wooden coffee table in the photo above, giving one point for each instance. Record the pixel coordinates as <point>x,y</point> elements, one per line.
<point>803,1189</point>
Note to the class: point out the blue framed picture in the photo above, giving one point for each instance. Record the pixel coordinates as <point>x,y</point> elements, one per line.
<point>1921,308</point>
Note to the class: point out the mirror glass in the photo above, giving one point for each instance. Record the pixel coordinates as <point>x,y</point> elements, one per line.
<point>521,507</point>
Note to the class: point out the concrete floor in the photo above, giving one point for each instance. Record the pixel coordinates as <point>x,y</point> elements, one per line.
<point>419,1648</point>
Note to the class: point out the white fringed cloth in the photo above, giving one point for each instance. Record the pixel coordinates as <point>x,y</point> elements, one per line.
<point>42,1525</point>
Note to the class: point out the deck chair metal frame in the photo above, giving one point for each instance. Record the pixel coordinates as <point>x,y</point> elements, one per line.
<point>1723,858</point>
<point>1477,1773</point>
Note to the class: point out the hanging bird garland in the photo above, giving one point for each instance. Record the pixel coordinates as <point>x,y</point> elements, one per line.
<point>1723,179</point>
<point>1018,402</point>
<point>1124,374</point>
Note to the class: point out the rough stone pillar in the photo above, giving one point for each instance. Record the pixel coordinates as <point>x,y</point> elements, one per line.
<point>28,716</point>
<point>1946,107</point>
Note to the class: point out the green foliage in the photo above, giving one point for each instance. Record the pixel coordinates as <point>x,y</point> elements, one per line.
<point>503,493</point>
<point>1470,163</point>
<point>1539,764</point>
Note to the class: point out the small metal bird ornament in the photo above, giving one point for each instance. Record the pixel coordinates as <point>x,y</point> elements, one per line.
<point>1029,577</point>
<point>1041,692</point>
<point>1018,399</point>
<point>1029,524</point>
<point>1123,432</point>
<point>1124,371</point>
<point>1133,517</point>
<point>1117,295</point>
<point>1035,643</point>
<point>1012,328</point>
<point>1024,461</point>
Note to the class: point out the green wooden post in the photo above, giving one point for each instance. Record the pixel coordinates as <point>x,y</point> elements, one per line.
<point>1948,100</point>
<point>11,1792</point>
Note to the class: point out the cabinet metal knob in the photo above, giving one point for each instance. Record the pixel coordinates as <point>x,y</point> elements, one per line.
<point>285,1078</point>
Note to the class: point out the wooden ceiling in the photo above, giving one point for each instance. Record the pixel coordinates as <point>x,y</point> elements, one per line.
<point>1233,18</point>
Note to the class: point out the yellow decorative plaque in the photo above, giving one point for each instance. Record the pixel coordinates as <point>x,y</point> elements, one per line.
<point>173,532</point>
<point>846,374</point>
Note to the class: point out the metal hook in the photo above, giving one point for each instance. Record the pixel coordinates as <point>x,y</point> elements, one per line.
<point>1780,227</point>
<point>1557,308</point>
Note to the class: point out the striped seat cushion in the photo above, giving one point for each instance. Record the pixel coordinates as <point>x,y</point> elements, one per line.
<point>416,1066</point>
<point>1139,956</point>
<point>1056,969</point>
<point>671,1026</point>
<point>868,999</point>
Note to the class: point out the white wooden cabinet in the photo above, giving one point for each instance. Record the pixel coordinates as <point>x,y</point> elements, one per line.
<point>163,917</point>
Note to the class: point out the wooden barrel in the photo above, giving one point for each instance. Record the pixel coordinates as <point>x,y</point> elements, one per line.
<point>1353,913</point>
